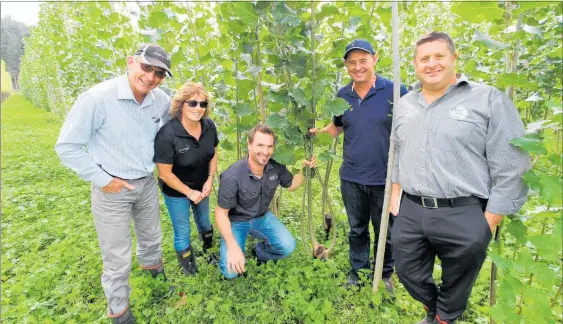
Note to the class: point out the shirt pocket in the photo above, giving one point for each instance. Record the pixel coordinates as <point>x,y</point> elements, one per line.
<point>248,199</point>
<point>453,135</point>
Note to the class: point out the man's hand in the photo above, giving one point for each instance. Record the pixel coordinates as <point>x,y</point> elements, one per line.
<point>493,220</point>
<point>206,191</point>
<point>195,196</point>
<point>235,259</point>
<point>311,163</point>
<point>315,130</point>
<point>115,186</point>
<point>394,204</point>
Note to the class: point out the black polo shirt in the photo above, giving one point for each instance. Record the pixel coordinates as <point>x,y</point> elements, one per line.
<point>188,156</point>
<point>246,196</point>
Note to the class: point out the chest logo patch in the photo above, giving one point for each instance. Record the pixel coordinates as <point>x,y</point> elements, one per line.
<point>185,149</point>
<point>273,177</point>
<point>458,112</point>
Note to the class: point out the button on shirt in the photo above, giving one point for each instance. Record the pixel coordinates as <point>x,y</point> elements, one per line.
<point>367,126</point>
<point>189,157</point>
<point>459,145</point>
<point>245,195</point>
<point>107,129</point>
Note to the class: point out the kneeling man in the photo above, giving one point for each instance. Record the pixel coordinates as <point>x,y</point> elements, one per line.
<point>246,189</point>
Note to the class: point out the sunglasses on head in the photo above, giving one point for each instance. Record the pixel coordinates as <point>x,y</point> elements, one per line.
<point>194,103</point>
<point>149,68</point>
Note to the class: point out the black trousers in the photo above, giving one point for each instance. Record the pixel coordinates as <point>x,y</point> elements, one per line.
<point>458,236</point>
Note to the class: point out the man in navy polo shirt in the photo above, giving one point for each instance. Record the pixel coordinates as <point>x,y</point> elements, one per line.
<point>366,126</point>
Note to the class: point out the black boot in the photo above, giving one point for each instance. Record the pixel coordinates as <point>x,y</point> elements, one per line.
<point>187,261</point>
<point>207,238</point>
<point>158,270</point>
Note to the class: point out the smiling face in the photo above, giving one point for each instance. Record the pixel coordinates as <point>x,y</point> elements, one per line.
<point>261,148</point>
<point>193,114</point>
<point>434,65</point>
<point>360,65</point>
<point>141,82</point>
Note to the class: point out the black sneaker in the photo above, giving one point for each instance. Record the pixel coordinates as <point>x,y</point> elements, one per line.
<point>353,281</point>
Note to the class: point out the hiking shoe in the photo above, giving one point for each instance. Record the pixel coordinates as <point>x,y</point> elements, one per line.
<point>430,316</point>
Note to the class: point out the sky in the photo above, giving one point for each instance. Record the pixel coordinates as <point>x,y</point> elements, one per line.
<point>26,12</point>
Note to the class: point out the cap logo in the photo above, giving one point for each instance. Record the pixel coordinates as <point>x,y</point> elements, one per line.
<point>458,112</point>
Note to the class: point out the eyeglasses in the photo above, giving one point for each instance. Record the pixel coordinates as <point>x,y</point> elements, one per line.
<point>149,68</point>
<point>194,103</point>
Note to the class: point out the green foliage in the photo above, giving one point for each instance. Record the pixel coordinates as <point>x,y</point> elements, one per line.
<point>6,81</point>
<point>281,63</point>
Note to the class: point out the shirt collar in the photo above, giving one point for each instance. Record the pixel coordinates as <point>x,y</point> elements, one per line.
<point>379,83</point>
<point>267,168</point>
<point>124,91</point>
<point>180,131</point>
<point>461,79</point>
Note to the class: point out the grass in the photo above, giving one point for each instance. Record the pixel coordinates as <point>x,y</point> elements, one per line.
<point>51,263</point>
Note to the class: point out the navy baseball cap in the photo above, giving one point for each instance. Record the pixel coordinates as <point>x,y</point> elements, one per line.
<point>153,54</point>
<point>359,44</point>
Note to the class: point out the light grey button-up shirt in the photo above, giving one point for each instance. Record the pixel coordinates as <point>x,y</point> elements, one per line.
<point>108,132</point>
<point>459,145</point>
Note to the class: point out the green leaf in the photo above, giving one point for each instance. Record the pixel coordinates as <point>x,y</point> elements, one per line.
<point>517,229</point>
<point>157,19</point>
<point>500,261</point>
<point>322,139</point>
<point>336,106</point>
<point>244,109</point>
<point>545,276</point>
<point>285,154</point>
<point>293,135</point>
<point>299,96</point>
<point>547,246</point>
<point>246,12</point>
<point>488,41</point>
<point>515,80</point>
<point>524,264</point>
<point>551,189</point>
<point>276,121</point>
<point>531,143</point>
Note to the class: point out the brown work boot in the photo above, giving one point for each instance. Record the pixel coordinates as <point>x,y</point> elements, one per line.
<point>125,317</point>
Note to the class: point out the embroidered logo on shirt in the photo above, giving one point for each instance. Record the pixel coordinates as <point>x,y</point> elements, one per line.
<point>458,112</point>
<point>155,119</point>
<point>185,149</point>
<point>273,177</point>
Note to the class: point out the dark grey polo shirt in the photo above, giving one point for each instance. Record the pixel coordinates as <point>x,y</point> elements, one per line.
<point>459,145</point>
<point>246,196</point>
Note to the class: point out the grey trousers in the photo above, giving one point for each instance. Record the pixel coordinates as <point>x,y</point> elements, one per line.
<point>112,216</point>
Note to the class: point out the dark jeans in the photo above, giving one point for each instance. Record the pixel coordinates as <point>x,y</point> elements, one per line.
<point>457,236</point>
<point>363,203</point>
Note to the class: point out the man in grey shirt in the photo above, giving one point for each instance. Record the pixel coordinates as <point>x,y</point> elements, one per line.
<point>108,139</point>
<point>459,174</point>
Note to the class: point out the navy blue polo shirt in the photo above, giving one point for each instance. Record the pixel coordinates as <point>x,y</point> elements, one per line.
<point>367,127</point>
<point>189,157</point>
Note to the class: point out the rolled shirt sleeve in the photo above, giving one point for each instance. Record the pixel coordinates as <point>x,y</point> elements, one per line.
<point>83,120</point>
<point>228,191</point>
<point>507,164</point>
<point>286,178</point>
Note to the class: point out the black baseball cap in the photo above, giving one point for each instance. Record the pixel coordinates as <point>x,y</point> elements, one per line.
<point>359,44</point>
<point>155,55</point>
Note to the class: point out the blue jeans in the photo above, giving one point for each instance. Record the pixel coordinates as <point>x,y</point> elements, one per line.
<point>179,212</point>
<point>364,203</point>
<point>276,241</point>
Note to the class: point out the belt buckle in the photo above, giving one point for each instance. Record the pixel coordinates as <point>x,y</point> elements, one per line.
<point>433,200</point>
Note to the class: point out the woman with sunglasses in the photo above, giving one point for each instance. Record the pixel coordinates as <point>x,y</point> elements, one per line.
<point>185,153</point>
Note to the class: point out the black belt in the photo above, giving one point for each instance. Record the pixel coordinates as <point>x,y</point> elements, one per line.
<point>429,202</point>
<point>148,175</point>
